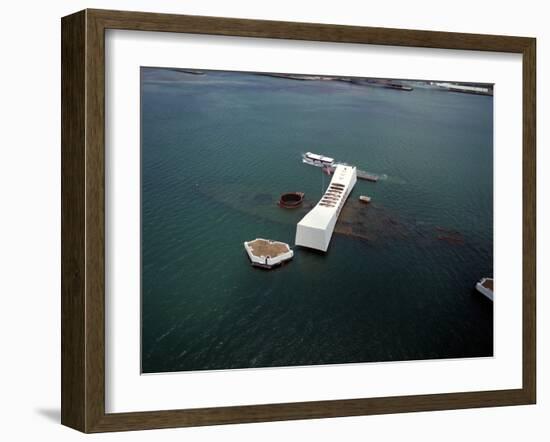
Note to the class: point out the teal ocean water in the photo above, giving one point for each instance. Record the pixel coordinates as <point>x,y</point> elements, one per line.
<point>397,282</point>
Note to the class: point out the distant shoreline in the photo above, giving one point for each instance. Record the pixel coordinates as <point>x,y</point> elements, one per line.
<point>401,85</point>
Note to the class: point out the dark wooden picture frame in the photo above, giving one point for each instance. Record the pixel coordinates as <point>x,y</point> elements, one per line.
<point>83,220</point>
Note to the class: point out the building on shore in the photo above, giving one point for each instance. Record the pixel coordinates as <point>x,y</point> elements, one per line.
<point>465,88</point>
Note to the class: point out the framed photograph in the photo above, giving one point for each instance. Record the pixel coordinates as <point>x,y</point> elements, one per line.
<point>269,220</point>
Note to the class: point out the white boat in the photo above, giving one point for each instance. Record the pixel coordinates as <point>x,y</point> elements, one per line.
<point>316,160</point>
<point>364,199</point>
<point>485,286</point>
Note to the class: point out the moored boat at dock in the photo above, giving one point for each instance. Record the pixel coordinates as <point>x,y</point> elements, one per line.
<point>317,160</point>
<point>329,165</point>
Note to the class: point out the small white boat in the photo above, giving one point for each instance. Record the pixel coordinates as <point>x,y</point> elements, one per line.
<point>364,199</point>
<point>485,286</point>
<point>316,160</point>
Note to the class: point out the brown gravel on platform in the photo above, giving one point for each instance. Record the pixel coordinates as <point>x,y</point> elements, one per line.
<point>265,248</point>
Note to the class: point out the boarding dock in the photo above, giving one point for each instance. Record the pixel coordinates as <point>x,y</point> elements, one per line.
<point>362,175</point>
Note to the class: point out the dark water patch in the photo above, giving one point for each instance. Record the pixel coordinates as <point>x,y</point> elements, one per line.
<point>263,198</point>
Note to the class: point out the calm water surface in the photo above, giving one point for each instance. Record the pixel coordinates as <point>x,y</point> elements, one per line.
<point>396,283</point>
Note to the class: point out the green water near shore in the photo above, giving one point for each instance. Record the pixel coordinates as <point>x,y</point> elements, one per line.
<point>396,284</point>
